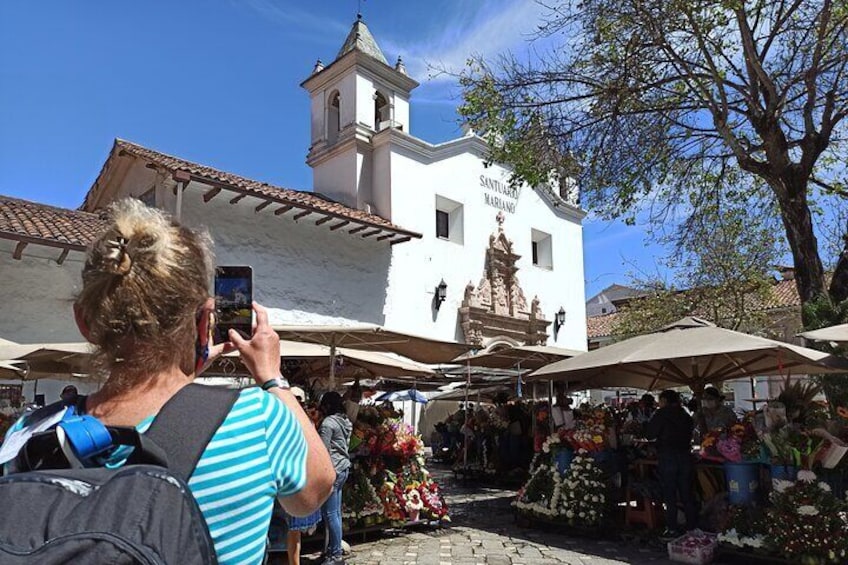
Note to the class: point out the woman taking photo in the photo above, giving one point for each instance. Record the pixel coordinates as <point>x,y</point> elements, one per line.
<point>335,432</point>
<point>144,303</point>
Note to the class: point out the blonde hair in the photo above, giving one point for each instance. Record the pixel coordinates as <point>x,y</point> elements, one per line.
<point>144,281</point>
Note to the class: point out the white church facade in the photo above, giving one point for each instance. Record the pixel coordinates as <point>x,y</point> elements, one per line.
<point>417,237</point>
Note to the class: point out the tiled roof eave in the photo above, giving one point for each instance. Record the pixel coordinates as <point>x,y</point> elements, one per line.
<point>217,183</point>
<point>55,243</point>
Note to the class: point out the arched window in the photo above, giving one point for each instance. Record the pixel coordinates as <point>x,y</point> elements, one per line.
<point>381,110</point>
<point>333,117</point>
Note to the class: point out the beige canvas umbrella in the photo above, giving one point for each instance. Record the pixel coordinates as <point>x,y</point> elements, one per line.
<point>48,360</point>
<point>317,357</point>
<point>522,357</point>
<point>369,337</point>
<point>836,334</point>
<point>691,352</point>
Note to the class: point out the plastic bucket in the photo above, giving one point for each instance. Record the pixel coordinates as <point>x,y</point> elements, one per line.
<point>563,459</point>
<point>743,482</point>
<point>784,472</point>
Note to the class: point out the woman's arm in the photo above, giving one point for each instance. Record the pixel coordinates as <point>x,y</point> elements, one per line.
<point>261,355</point>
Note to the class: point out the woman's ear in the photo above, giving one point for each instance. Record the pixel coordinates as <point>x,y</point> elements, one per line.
<point>82,325</point>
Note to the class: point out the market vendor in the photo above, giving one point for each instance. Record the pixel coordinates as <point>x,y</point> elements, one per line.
<point>561,413</point>
<point>643,410</point>
<point>671,427</point>
<point>713,414</point>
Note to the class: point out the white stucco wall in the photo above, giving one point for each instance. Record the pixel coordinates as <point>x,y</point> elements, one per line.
<point>418,266</point>
<point>307,272</point>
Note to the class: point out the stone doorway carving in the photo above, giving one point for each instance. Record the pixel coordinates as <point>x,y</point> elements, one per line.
<point>497,306</point>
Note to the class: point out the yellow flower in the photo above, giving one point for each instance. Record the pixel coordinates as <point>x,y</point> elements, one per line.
<point>598,439</point>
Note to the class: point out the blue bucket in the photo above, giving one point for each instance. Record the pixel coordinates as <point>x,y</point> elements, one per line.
<point>563,459</point>
<point>743,482</point>
<point>784,472</point>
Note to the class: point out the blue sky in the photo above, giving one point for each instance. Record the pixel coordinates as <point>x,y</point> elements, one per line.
<point>217,81</point>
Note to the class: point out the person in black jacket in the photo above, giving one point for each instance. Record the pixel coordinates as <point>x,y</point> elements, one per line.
<point>672,428</point>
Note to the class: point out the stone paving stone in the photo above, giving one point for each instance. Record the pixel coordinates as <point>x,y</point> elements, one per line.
<point>483,532</point>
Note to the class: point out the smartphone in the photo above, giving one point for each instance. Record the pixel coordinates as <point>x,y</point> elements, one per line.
<point>233,301</point>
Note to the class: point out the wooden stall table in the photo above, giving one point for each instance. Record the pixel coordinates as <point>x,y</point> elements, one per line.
<point>646,510</point>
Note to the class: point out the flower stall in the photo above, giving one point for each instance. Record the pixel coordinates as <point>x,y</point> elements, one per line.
<point>570,477</point>
<point>389,485</point>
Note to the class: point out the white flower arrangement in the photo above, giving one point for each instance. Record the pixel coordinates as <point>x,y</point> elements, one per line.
<point>733,537</point>
<point>808,510</point>
<point>806,476</point>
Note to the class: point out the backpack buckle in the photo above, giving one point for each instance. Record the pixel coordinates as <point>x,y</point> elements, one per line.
<point>86,435</point>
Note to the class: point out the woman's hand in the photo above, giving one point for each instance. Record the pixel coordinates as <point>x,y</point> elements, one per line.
<point>261,353</point>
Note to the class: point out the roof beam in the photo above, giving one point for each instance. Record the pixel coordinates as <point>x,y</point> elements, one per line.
<point>62,256</point>
<point>302,215</point>
<point>400,240</point>
<point>237,199</point>
<point>262,206</point>
<point>384,237</point>
<point>334,227</point>
<point>323,220</point>
<point>283,209</point>
<point>357,230</point>
<point>19,249</point>
<point>211,194</point>
<point>182,176</point>
<point>372,232</point>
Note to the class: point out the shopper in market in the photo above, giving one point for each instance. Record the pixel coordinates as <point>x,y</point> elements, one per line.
<point>713,413</point>
<point>335,431</point>
<point>671,426</point>
<point>296,526</point>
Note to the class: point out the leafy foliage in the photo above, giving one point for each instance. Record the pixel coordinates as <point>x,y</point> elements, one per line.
<point>666,101</point>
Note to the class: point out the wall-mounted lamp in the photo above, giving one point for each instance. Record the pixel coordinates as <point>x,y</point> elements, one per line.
<point>441,293</point>
<point>559,320</point>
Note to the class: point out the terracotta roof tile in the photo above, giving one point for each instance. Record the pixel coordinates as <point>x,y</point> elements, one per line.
<point>784,295</point>
<point>30,220</point>
<point>297,198</point>
<point>600,326</point>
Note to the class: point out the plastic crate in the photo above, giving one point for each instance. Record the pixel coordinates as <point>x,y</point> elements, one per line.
<point>695,547</point>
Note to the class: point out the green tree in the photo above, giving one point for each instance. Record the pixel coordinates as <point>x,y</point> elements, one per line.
<point>664,100</point>
<point>721,273</point>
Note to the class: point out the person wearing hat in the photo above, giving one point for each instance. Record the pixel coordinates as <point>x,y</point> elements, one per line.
<point>671,426</point>
<point>643,410</point>
<point>713,413</point>
<point>297,525</point>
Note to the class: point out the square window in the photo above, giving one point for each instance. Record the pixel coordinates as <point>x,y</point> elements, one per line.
<point>449,220</point>
<point>442,224</point>
<point>542,249</point>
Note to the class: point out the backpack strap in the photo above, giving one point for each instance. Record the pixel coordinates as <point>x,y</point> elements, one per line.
<point>187,422</point>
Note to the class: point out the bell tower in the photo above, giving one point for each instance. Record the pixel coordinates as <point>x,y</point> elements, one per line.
<point>354,98</point>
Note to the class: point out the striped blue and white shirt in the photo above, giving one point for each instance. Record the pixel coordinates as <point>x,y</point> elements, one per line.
<point>257,454</point>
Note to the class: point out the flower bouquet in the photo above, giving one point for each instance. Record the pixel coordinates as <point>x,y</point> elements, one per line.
<point>807,522</point>
<point>736,444</point>
<point>583,493</point>
<point>792,447</point>
<point>361,506</point>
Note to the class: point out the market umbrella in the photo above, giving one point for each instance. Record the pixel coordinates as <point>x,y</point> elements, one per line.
<point>483,393</point>
<point>48,360</point>
<point>836,334</point>
<point>370,337</point>
<point>521,357</point>
<point>690,352</point>
<point>402,396</point>
<point>318,360</point>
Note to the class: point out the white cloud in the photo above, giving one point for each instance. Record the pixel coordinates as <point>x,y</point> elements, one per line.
<point>300,22</point>
<point>487,29</point>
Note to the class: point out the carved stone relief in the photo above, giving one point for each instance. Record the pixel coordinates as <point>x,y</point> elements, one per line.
<point>497,305</point>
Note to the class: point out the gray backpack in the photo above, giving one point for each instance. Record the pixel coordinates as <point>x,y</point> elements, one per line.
<point>140,513</point>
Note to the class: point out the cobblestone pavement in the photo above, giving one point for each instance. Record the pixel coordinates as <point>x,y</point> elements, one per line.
<point>483,531</point>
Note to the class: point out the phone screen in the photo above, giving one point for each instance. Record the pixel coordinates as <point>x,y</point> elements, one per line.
<point>234,301</point>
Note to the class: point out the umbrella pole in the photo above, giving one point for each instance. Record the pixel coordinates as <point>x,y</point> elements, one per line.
<point>414,406</point>
<point>465,432</point>
<point>551,406</point>
<point>332,383</point>
<point>35,390</point>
